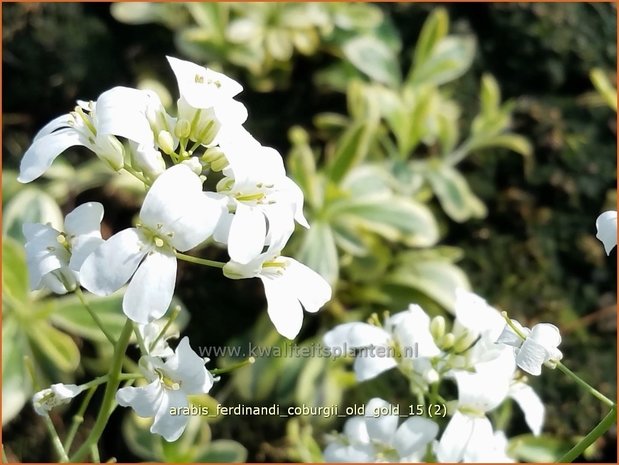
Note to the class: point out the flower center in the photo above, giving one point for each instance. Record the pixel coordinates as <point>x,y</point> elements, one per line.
<point>168,382</point>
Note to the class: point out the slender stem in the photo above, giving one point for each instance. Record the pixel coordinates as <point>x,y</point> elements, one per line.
<point>94,315</point>
<point>5,459</point>
<point>114,378</point>
<point>594,392</point>
<point>56,442</point>
<point>140,339</point>
<point>607,422</point>
<point>78,419</point>
<point>199,261</point>
<point>94,451</point>
<point>136,174</point>
<point>175,312</point>
<point>236,366</point>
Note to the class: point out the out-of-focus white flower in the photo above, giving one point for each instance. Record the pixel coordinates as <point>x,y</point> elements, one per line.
<point>176,215</point>
<point>405,337</point>
<point>538,348</point>
<point>206,101</point>
<point>483,445</point>
<point>606,225</point>
<point>289,287</point>
<point>376,437</point>
<point>170,382</point>
<point>150,334</point>
<point>261,198</point>
<point>57,394</point>
<point>55,258</point>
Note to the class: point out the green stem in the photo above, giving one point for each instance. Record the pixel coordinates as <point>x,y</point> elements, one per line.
<point>586,386</point>
<point>175,312</point>
<point>78,419</point>
<point>236,366</point>
<point>114,378</point>
<point>94,315</point>
<point>94,452</point>
<point>62,454</point>
<point>199,261</point>
<point>140,339</point>
<point>5,459</point>
<point>136,174</point>
<point>607,422</point>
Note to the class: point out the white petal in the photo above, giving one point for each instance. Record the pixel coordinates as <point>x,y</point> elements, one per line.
<point>356,430</point>
<point>509,337</point>
<point>188,367</point>
<point>381,427</point>
<point>413,435</point>
<point>412,327</point>
<point>309,287</point>
<point>247,233</point>
<point>476,315</point>
<point>482,391</point>
<point>66,391</point>
<point>144,400</point>
<point>284,309</point>
<point>455,438</point>
<point>113,262</point>
<point>531,356</point>
<point>200,86</point>
<point>121,111</point>
<point>84,219</point>
<point>176,208</point>
<point>222,231</point>
<point>167,425</point>
<point>479,441</point>
<point>547,335</point>
<point>354,335</point>
<point>338,453</point>
<point>59,122</point>
<point>367,367</point>
<point>151,289</point>
<point>40,155</point>
<point>531,405</point>
<point>606,225</point>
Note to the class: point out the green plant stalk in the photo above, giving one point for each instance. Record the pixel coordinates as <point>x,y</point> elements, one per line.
<point>607,422</point>
<point>56,442</point>
<point>199,261</point>
<point>114,378</point>
<point>78,419</point>
<point>136,174</point>
<point>586,386</point>
<point>175,312</point>
<point>95,453</point>
<point>4,457</point>
<point>94,315</point>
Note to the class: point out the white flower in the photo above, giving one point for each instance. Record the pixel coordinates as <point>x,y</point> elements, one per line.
<point>206,100</point>
<point>261,198</point>
<point>376,437</point>
<point>469,431</point>
<point>57,394</point>
<point>176,215</point>
<point>170,383</point>
<point>150,332</point>
<point>55,258</point>
<point>606,225</point>
<point>538,348</point>
<point>406,333</point>
<point>289,287</point>
<point>75,128</point>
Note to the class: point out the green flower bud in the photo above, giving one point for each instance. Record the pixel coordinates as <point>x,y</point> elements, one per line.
<point>464,342</point>
<point>447,341</point>
<point>182,129</point>
<point>437,327</point>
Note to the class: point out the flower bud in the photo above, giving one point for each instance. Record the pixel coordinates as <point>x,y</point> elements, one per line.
<point>182,129</point>
<point>437,327</point>
<point>111,151</point>
<point>464,342</point>
<point>166,142</point>
<point>447,341</point>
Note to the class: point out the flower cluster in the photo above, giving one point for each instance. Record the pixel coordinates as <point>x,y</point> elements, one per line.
<point>251,209</point>
<point>469,356</point>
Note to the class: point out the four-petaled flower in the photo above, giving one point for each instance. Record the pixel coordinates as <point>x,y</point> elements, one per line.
<point>170,382</point>
<point>55,258</point>
<point>176,215</point>
<point>57,394</point>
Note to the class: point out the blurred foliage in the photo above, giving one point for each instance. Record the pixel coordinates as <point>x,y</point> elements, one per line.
<point>399,135</point>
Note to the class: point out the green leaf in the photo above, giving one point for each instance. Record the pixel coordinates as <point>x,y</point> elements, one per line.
<point>514,142</point>
<point>437,279</point>
<point>604,87</point>
<point>318,251</point>
<point>434,29</point>
<point>454,193</point>
<point>135,13</point>
<point>16,385</point>
<point>302,166</point>
<point>55,346</point>
<point>351,149</point>
<point>14,270</point>
<point>223,451</point>
<point>451,58</point>
<point>31,205</point>
<point>396,219</point>
<point>540,449</point>
<point>374,58</point>
<point>490,95</point>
